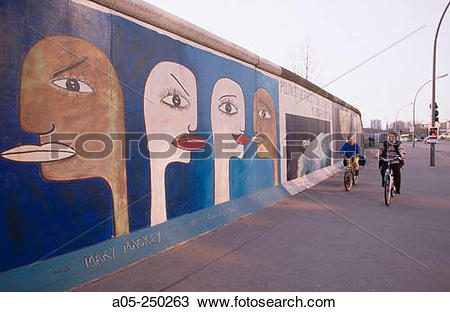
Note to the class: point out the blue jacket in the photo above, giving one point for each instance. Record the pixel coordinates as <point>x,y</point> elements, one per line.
<point>350,150</point>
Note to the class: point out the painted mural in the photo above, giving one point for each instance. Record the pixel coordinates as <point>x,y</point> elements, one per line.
<point>306,140</point>
<point>170,109</point>
<point>228,128</point>
<point>344,123</point>
<point>110,127</point>
<point>305,120</point>
<point>68,86</point>
<point>265,128</point>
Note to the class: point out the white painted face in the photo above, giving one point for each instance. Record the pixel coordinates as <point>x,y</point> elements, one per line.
<point>170,108</point>
<point>228,116</point>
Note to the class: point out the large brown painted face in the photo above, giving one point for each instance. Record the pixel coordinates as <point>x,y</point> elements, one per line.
<point>265,124</point>
<point>68,89</point>
<point>68,85</point>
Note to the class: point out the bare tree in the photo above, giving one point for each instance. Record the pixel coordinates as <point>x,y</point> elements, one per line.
<point>304,62</point>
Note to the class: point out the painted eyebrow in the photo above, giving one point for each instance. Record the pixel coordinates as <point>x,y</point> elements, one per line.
<point>265,106</point>
<point>59,72</point>
<point>227,95</point>
<point>184,89</point>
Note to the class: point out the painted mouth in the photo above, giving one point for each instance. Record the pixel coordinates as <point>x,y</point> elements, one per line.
<point>47,152</point>
<point>189,142</point>
<point>259,138</point>
<point>241,139</point>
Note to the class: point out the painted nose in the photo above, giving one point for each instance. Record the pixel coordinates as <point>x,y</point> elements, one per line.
<point>35,114</point>
<point>191,128</point>
<point>53,129</point>
<point>36,125</point>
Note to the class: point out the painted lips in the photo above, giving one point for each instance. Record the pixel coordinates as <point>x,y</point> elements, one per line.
<point>39,153</point>
<point>189,142</point>
<point>241,138</point>
<point>195,142</point>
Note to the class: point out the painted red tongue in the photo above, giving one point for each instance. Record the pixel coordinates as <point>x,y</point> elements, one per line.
<point>189,142</point>
<point>241,138</point>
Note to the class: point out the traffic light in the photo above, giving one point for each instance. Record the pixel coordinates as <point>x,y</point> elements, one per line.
<point>436,112</point>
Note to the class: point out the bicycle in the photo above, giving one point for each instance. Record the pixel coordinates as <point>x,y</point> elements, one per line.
<point>350,177</point>
<point>389,179</point>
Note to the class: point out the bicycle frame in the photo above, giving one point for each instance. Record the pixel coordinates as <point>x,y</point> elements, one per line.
<point>350,177</point>
<point>389,179</point>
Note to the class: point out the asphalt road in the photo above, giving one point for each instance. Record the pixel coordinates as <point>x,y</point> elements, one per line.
<point>323,239</point>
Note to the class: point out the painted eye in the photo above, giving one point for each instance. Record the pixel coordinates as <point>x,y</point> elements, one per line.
<point>73,85</point>
<point>264,114</point>
<point>228,108</point>
<point>176,101</point>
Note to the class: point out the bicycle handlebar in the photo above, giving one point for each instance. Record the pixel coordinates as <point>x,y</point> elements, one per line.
<point>351,157</point>
<point>391,159</point>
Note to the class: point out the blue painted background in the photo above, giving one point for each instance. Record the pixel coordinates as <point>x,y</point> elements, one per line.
<point>38,218</point>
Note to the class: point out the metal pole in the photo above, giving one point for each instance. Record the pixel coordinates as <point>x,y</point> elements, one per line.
<point>414,123</point>
<point>433,89</point>
<point>414,103</point>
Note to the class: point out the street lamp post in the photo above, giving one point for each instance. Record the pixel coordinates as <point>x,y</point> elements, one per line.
<point>433,88</point>
<point>414,105</point>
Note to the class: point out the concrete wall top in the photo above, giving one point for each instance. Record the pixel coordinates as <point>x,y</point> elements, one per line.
<point>155,16</point>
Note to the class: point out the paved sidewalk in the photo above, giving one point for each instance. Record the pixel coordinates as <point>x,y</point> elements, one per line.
<point>323,239</point>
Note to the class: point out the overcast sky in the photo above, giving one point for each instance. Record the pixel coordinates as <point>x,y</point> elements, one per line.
<point>342,35</point>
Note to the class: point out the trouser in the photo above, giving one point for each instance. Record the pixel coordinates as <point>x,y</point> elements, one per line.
<point>396,171</point>
<point>354,161</point>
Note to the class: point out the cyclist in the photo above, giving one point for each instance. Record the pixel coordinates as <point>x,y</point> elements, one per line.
<point>351,152</point>
<point>390,149</point>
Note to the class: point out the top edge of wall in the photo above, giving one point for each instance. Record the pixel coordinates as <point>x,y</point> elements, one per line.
<point>148,13</point>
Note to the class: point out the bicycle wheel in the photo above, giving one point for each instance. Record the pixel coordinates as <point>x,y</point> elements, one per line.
<point>355,179</point>
<point>348,181</point>
<point>387,190</point>
<point>392,188</point>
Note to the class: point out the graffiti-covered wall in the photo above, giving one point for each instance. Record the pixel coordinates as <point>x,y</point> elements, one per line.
<point>119,139</point>
<point>346,122</point>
